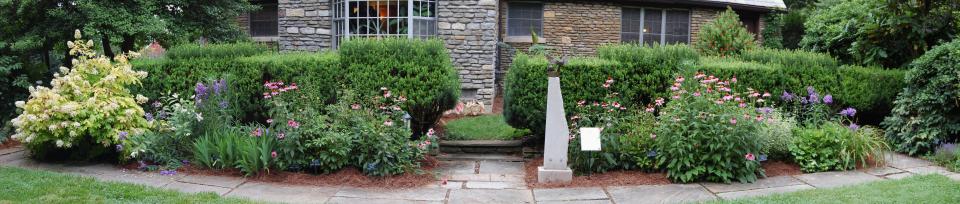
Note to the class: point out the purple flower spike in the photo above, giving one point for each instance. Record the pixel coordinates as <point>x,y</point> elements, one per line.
<point>223,104</point>
<point>119,147</point>
<point>849,112</point>
<point>200,92</point>
<point>854,126</point>
<point>149,116</point>
<point>828,99</point>
<point>123,135</point>
<point>811,90</point>
<point>786,96</point>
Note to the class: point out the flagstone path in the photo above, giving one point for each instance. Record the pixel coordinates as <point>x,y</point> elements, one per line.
<point>488,179</point>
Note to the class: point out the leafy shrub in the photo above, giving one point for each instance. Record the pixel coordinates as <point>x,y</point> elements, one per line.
<point>13,87</point>
<point>216,51</point>
<point>888,33</point>
<point>776,135</point>
<point>169,140</point>
<point>925,114</point>
<point>866,88</point>
<point>485,127</point>
<point>420,70</point>
<point>383,143</point>
<point>87,107</point>
<point>795,59</point>
<point>832,146</point>
<point>641,72</point>
<point>709,132</point>
<point>725,36</point>
<point>605,114</point>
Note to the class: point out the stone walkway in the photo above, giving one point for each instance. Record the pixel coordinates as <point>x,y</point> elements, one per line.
<point>488,180</point>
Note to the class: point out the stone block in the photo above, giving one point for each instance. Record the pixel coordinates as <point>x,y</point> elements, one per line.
<point>836,178</point>
<point>771,182</point>
<point>495,185</point>
<point>443,25</point>
<point>293,30</point>
<point>323,31</point>
<point>901,161</point>
<point>221,181</point>
<point>499,167</point>
<point>898,175</point>
<point>281,193</point>
<point>458,26</point>
<point>418,194</point>
<point>545,175</point>
<point>295,12</point>
<point>345,200</point>
<point>569,194</point>
<point>307,30</point>
<point>880,171</point>
<point>196,188</point>
<point>481,196</point>
<point>673,193</point>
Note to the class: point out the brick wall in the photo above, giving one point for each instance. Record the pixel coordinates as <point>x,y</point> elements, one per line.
<point>305,24</point>
<point>700,16</point>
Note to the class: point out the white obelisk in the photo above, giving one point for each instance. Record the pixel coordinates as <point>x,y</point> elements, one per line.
<point>557,138</point>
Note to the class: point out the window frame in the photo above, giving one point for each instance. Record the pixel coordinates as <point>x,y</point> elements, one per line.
<point>251,21</point>
<point>507,16</point>
<point>341,20</point>
<point>663,22</point>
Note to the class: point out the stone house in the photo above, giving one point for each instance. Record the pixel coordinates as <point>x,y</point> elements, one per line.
<point>482,35</point>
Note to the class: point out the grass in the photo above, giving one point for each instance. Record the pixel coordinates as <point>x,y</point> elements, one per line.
<point>916,189</point>
<point>484,127</point>
<point>29,186</point>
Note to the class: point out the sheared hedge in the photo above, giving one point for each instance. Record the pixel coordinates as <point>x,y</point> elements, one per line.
<point>217,51</point>
<point>866,88</point>
<point>641,73</point>
<point>316,73</point>
<point>789,58</point>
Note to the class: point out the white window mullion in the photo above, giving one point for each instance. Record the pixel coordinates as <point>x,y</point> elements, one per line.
<point>663,27</point>
<point>643,29</point>
<point>409,18</point>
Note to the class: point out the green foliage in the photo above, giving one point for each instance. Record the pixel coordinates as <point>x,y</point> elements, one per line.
<point>833,146</point>
<point>776,136</point>
<point>709,135</point>
<point>13,87</point>
<point>217,51</point>
<point>485,127</point>
<point>913,189</point>
<point>419,70</point>
<point>249,149</point>
<point>317,72</point>
<point>925,114</point>
<point>725,36</point>
<point>88,106</point>
<point>171,134</point>
<point>886,32</point>
<point>383,146</point>
<point>605,113</point>
<point>793,59</point>
<point>870,89</point>
<point>642,73</point>
<point>947,155</point>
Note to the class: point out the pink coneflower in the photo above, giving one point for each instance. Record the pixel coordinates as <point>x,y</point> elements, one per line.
<point>386,94</point>
<point>257,132</point>
<point>733,121</point>
<point>742,105</point>
<point>697,94</point>
<point>273,154</point>
<point>659,102</point>
<point>650,109</point>
<point>388,123</point>
<point>766,94</point>
<point>270,121</point>
<point>266,95</point>
<point>749,156</point>
<point>733,80</point>
<point>281,135</point>
<point>355,106</point>
<point>680,79</point>
<point>675,97</point>
<point>653,136</point>
<point>293,124</point>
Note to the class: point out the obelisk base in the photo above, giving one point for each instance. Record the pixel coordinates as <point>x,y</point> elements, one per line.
<point>553,175</point>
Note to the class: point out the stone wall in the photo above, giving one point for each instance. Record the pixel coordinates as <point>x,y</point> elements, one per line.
<point>470,31</point>
<point>699,17</point>
<point>305,24</point>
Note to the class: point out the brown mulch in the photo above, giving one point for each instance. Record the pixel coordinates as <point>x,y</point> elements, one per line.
<point>9,143</point>
<point>351,177</point>
<point>780,168</point>
<point>612,178</point>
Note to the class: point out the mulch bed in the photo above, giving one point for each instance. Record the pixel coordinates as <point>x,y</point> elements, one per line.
<point>633,178</point>
<point>9,143</point>
<point>351,177</point>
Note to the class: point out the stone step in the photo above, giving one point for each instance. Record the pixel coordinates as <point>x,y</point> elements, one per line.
<point>481,146</point>
<point>480,157</point>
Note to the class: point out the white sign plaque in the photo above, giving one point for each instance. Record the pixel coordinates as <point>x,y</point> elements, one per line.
<point>589,139</point>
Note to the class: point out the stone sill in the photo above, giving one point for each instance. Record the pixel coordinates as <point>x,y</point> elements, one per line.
<point>266,39</point>
<point>522,39</point>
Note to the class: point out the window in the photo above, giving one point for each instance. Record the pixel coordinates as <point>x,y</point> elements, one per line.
<point>522,18</point>
<point>653,25</point>
<point>263,22</point>
<point>384,18</point>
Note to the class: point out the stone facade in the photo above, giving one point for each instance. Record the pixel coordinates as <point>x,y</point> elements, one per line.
<point>470,31</point>
<point>305,25</point>
<point>700,17</point>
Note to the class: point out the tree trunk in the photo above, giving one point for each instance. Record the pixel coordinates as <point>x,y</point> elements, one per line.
<point>128,44</point>
<point>107,50</point>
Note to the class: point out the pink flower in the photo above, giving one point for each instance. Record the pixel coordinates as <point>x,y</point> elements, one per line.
<point>388,123</point>
<point>402,99</point>
<point>609,80</point>
<point>273,154</point>
<point>270,121</point>
<point>431,132</point>
<point>733,121</point>
<point>696,94</point>
<point>742,105</point>
<point>616,104</point>
<point>749,156</point>
<point>355,106</point>
<point>676,97</point>
<point>281,135</point>
<point>266,95</point>
<point>293,124</point>
<point>659,102</point>
<point>759,118</point>
<point>606,85</point>
<point>650,109</point>
<point>674,88</point>
<point>387,94</point>
<point>581,102</point>
<point>679,79</point>
<point>274,93</point>
<point>653,136</point>
<point>766,94</point>
<point>733,80</point>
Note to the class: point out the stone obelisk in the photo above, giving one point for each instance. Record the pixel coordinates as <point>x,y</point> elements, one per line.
<point>557,136</point>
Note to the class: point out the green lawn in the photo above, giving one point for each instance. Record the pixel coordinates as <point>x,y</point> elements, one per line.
<point>915,189</point>
<point>484,127</point>
<point>29,186</point>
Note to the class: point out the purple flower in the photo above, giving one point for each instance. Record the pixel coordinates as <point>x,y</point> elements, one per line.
<point>120,147</point>
<point>811,90</point>
<point>168,172</point>
<point>786,96</point>
<point>814,98</point>
<point>161,115</point>
<point>762,157</point>
<point>765,110</point>
<point>149,116</point>
<point>854,126</point>
<point>828,99</point>
<point>223,104</point>
<point>849,112</point>
<point>123,135</point>
<point>219,85</point>
<point>200,92</point>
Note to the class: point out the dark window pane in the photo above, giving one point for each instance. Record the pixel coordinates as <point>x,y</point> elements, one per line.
<point>652,21</point>
<point>630,37</point>
<point>522,17</point>
<point>263,22</point>
<point>631,25</point>
<point>650,39</point>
